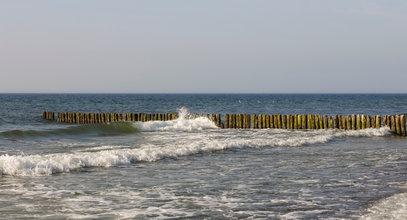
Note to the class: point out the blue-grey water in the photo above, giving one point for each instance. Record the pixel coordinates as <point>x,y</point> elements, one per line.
<point>188,168</point>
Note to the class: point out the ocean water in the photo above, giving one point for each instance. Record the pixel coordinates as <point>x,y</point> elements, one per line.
<point>189,169</point>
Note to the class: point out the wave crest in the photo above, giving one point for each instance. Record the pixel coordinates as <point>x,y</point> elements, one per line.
<point>183,123</point>
<point>169,146</point>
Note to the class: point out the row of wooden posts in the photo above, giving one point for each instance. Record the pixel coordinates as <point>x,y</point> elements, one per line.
<point>396,123</point>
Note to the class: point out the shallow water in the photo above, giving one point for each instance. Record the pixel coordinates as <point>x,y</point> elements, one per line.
<point>191,169</point>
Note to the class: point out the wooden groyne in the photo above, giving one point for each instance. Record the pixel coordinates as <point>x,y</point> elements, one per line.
<point>396,123</point>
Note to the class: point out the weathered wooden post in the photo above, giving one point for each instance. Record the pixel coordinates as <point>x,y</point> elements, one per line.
<point>226,116</point>
<point>283,121</point>
<point>259,122</point>
<point>253,121</point>
<point>238,122</point>
<point>331,122</point>
<point>363,121</point>
<point>275,121</point>
<point>321,121</point>
<point>353,122</point>
<point>304,120</point>
<point>288,126</point>
<point>398,124</point>
<point>357,122</point>
<point>368,120</point>
<point>393,124</point>
<point>388,121</point>
<point>378,121</point>
<point>265,122</point>
<point>326,122</point>
<point>249,120</point>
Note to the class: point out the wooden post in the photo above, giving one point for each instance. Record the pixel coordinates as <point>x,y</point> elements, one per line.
<point>368,121</point>
<point>275,121</point>
<point>398,124</point>
<point>321,121</point>
<point>107,117</point>
<point>403,125</point>
<point>271,121</point>
<point>283,121</point>
<point>353,122</point>
<point>242,121</point>
<point>336,121</point>
<point>363,121</point>
<point>378,121</point>
<point>343,122</point>
<point>313,122</point>
<point>358,122</point>
<point>393,123</point>
<point>304,120</point>
<point>218,120</point>
<point>388,121</point>
<point>253,121</point>
<point>278,121</point>
<point>348,122</point>
<point>308,117</point>
<point>266,121</point>
<point>299,121</point>
<point>248,121</point>
<point>234,120</point>
<point>259,122</point>
<point>226,120</point>
<point>236,117</point>
<point>290,122</point>
<point>326,122</point>
<point>316,121</point>
<point>331,122</point>
<point>288,126</point>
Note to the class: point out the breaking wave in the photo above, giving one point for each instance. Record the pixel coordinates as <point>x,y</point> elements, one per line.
<point>182,123</point>
<point>169,145</point>
<point>393,207</point>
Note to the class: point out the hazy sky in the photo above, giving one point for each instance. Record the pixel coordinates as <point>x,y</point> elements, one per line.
<point>173,46</point>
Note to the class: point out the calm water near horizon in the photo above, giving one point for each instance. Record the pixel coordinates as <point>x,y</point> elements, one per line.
<point>188,168</point>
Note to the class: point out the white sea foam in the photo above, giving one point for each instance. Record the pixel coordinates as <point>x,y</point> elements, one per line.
<point>168,145</point>
<point>394,207</point>
<point>182,123</point>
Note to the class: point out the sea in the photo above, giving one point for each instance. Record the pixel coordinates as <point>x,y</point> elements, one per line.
<point>189,169</point>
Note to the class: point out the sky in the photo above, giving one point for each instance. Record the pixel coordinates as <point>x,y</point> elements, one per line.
<point>210,46</point>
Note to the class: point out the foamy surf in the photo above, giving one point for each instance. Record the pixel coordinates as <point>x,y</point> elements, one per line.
<point>394,207</point>
<point>169,145</point>
<point>182,123</point>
